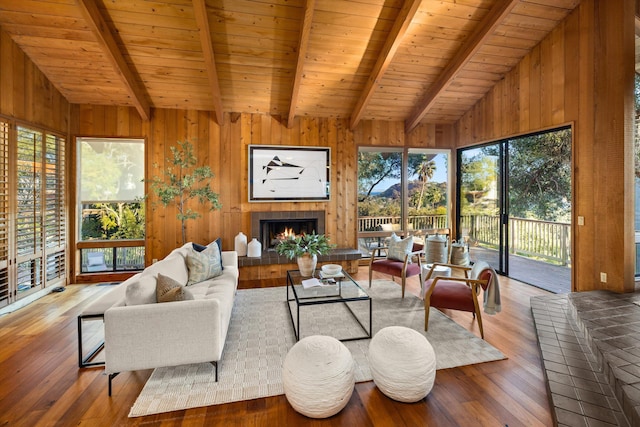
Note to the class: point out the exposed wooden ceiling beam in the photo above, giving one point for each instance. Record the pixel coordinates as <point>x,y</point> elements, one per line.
<point>484,29</point>
<point>399,29</point>
<point>303,45</point>
<point>202,21</point>
<point>110,46</point>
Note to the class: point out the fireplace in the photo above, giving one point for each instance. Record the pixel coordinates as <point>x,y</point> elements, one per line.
<point>272,231</point>
<point>269,227</point>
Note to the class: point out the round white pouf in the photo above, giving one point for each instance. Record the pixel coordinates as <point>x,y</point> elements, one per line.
<point>403,363</point>
<point>318,376</point>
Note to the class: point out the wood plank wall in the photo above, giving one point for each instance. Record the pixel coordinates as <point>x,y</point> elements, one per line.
<point>225,149</point>
<point>26,94</point>
<point>581,74</point>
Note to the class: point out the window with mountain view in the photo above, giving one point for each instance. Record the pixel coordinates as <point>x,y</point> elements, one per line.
<point>401,189</point>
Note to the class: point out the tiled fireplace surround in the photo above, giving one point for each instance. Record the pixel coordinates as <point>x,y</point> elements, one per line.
<point>271,257</point>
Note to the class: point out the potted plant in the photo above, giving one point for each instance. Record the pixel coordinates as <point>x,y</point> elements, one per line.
<point>183,181</point>
<point>305,248</point>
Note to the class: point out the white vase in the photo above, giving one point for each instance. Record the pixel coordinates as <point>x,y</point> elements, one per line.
<point>241,244</point>
<point>307,264</point>
<point>254,248</point>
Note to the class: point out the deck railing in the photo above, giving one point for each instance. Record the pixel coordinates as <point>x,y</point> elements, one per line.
<point>116,255</point>
<point>422,222</point>
<point>527,237</point>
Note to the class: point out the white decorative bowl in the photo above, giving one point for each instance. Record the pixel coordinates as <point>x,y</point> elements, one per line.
<point>332,269</point>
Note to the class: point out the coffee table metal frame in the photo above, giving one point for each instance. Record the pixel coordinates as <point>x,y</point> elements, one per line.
<point>327,297</point>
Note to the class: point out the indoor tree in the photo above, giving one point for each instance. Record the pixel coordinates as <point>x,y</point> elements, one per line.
<point>183,181</point>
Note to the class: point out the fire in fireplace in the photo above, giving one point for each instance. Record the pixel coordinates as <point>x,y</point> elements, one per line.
<point>274,231</point>
<point>271,227</point>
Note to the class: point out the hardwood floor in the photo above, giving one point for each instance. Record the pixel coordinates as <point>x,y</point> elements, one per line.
<point>41,385</point>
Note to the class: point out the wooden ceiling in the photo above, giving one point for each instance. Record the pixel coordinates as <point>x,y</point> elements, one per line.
<point>412,60</point>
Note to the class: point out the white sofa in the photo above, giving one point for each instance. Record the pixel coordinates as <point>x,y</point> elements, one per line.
<point>175,333</point>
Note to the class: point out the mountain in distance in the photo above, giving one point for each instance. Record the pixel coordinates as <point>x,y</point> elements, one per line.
<point>395,189</point>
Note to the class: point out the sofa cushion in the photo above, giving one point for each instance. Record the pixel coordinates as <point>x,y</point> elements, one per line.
<point>168,290</point>
<point>399,248</point>
<point>174,266</point>
<point>199,248</point>
<point>204,265</point>
<point>141,291</point>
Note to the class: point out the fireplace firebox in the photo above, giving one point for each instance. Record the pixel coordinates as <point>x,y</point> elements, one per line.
<point>271,227</point>
<point>273,231</point>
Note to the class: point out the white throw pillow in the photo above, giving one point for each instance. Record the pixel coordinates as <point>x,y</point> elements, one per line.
<point>399,248</point>
<point>141,291</point>
<point>204,265</point>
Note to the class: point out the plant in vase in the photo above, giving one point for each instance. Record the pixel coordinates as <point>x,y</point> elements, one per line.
<point>183,181</point>
<point>305,248</point>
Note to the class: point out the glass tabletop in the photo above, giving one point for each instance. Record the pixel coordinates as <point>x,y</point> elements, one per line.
<point>333,288</point>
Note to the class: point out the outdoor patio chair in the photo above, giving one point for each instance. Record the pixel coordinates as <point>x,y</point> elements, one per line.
<point>95,262</point>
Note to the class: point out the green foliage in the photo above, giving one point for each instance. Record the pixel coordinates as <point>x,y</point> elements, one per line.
<point>183,181</point>
<point>540,176</point>
<point>114,221</point>
<point>379,206</point>
<point>91,227</point>
<point>477,175</point>
<point>123,221</point>
<point>425,170</point>
<point>312,244</point>
<point>375,167</point>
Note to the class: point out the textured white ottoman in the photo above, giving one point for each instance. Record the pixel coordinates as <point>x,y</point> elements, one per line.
<point>403,364</point>
<point>318,376</point>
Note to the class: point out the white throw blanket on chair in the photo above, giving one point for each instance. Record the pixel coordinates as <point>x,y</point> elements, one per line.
<point>491,298</point>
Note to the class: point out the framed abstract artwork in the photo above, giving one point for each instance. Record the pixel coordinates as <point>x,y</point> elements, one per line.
<point>280,173</point>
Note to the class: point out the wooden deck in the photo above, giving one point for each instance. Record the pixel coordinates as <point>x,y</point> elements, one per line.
<point>550,277</point>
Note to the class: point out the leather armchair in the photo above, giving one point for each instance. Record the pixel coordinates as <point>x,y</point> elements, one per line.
<point>457,293</point>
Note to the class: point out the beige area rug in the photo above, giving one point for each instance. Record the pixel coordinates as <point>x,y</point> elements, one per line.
<point>261,334</point>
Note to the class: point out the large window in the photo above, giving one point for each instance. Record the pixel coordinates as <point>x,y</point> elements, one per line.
<point>111,210</point>
<point>401,190</point>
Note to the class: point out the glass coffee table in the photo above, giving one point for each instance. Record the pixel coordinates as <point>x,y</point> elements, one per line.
<point>338,289</point>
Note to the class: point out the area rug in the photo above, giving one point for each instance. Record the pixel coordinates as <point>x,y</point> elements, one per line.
<point>260,335</point>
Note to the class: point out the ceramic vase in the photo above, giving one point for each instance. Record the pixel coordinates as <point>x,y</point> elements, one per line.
<point>307,264</point>
<point>241,244</point>
<point>254,248</point>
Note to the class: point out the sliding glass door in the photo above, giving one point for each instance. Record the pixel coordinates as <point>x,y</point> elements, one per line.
<point>515,207</point>
<point>480,203</point>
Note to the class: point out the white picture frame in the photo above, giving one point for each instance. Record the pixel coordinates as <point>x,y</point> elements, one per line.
<point>279,173</point>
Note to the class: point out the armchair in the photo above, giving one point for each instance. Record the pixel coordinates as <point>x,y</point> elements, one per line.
<point>398,266</point>
<point>459,293</point>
